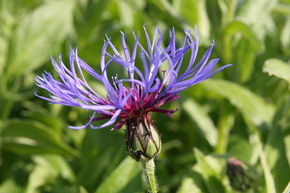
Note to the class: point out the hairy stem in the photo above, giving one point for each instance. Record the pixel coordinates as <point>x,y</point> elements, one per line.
<point>149,171</point>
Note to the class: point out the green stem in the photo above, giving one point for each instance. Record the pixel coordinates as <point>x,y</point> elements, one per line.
<point>270,184</point>
<point>225,125</point>
<point>149,171</point>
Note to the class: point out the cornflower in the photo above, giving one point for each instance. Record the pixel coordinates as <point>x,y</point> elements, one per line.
<point>149,87</point>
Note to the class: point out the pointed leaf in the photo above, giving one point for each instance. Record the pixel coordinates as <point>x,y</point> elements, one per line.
<point>31,137</point>
<point>250,105</point>
<point>39,34</point>
<point>212,179</point>
<point>200,116</point>
<point>120,177</point>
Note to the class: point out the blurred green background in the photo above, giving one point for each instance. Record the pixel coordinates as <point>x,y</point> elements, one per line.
<point>242,111</point>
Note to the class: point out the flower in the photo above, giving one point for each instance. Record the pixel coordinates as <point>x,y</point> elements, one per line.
<point>240,175</point>
<point>148,89</point>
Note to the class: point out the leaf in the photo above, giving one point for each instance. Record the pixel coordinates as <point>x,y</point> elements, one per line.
<point>48,168</point>
<point>287,188</point>
<point>240,148</point>
<point>188,185</point>
<point>165,10</point>
<point>287,146</point>
<point>204,122</point>
<point>277,68</point>
<point>93,12</point>
<point>39,34</point>
<point>212,179</point>
<point>245,56</point>
<point>277,158</point>
<point>3,53</point>
<point>275,148</point>
<point>6,22</point>
<point>283,8</point>
<point>198,17</point>
<point>256,14</point>
<point>126,13</point>
<point>120,177</point>
<point>284,37</point>
<point>9,186</point>
<point>236,27</point>
<point>31,137</point>
<point>249,104</point>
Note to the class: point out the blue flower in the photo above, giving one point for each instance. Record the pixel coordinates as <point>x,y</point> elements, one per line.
<point>147,89</point>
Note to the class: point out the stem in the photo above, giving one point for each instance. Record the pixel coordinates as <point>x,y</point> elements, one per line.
<point>149,171</point>
<point>270,184</point>
<point>225,124</point>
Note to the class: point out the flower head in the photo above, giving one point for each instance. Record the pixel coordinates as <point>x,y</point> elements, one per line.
<point>240,175</point>
<point>130,100</point>
<point>148,89</point>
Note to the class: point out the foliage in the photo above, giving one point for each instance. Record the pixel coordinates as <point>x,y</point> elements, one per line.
<point>241,112</point>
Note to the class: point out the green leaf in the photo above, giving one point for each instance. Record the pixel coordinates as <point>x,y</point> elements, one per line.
<point>166,10</point>
<point>287,146</point>
<point>245,56</point>
<point>120,177</point>
<point>212,178</point>
<point>236,27</point>
<point>284,37</point>
<point>3,53</point>
<point>283,8</point>
<point>188,185</point>
<point>200,116</point>
<point>88,24</point>
<point>198,17</point>
<point>277,68</point>
<point>287,188</point>
<point>256,14</point>
<point>126,13</point>
<point>39,34</point>
<point>30,137</point>
<point>9,186</point>
<point>48,168</point>
<point>240,148</point>
<point>249,104</point>
<point>277,158</point>
<point>276,151</point>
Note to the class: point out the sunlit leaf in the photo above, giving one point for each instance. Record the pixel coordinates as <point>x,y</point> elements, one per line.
<point>287,188</point>
<point>198,17</point>
<point>276,149</point>
<point>200,116</point>
<point>188,185</point>
<point>277,68</point>
<point>245,59</point>
<point>120,177</point>
<point>39,34</point>
<point>256,14</point>
<point>240,148</point>
<point>47,168</point>
<point>250,105</point>
<point>285,38</point>
<point>126,13</point>
<point>237,27</point>
<point>29,137</point>
<point>210,173</point>
<point>9,186</point>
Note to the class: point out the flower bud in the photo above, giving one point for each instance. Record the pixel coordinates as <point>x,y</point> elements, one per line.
<point>143,140</point>
<point>241,176</point>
